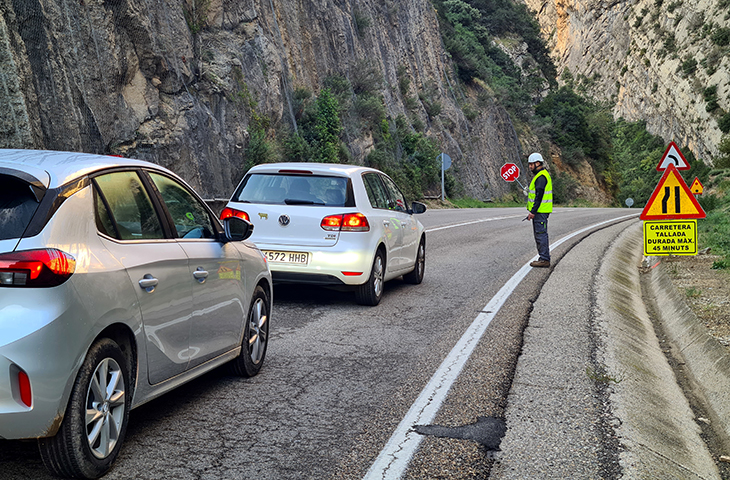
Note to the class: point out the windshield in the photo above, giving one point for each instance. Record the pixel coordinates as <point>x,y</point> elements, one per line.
<point>17,206</point>
<point>283,189</point>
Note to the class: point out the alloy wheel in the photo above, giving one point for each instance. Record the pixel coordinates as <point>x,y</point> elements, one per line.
<point>258,329</point>
<point>378,275</point>
<point>105,408</point>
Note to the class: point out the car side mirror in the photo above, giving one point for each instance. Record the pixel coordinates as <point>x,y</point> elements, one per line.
<point>237,229</point>
<point>418,207</point>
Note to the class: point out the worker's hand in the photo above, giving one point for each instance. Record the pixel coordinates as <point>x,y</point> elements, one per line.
<point>530,216</point>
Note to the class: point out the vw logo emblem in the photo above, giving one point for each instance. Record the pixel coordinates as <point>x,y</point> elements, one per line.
<point>284,220</point>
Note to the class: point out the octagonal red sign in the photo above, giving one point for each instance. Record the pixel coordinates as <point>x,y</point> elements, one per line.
<point>509,172</point>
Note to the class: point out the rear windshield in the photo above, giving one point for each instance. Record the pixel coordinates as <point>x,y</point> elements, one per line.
<point>17,206</point>
<point>283,189</point>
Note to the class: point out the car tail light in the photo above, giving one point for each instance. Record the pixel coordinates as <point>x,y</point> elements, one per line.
<point>232,212</point>
<point>348,222</point>
<point>24,389</point>
<point>47,267</point>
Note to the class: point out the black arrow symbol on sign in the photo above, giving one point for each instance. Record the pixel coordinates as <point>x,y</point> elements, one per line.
<point>674,159</point>
<point>667,195</point>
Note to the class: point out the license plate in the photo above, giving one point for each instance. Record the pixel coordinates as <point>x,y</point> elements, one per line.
<point>286,257</point>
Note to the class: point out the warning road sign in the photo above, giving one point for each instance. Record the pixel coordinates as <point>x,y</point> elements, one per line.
<point>672,199</point>
<point>676,237</point>
<point>672,156</point>
<point>697,187</point>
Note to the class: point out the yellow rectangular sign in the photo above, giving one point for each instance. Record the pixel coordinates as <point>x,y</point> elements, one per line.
<point>670,237</point>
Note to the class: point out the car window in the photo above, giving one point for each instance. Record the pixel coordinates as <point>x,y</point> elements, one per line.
<point>377,194</point>
<point>189,215</point>
<point>17,206</point>
<point>125,207</point>
<point>285,189</point>
<point>396,199</point>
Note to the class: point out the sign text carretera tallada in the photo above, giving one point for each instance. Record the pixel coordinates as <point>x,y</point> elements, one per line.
<point>677,237</point>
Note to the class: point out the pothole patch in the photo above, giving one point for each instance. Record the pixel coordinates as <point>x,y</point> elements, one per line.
<point>487,431</point>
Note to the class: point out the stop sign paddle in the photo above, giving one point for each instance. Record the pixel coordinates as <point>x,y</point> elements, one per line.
<point>510,172</point>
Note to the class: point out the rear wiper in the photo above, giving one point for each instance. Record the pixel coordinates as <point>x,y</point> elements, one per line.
<point>296,201</point>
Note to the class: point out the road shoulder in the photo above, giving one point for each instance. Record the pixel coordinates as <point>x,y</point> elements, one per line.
<point>592,366</point>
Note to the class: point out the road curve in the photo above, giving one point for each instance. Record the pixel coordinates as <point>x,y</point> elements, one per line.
<point>339,377</point>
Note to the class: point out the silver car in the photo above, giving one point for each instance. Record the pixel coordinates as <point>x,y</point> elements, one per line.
<point>332,225</point>
<point>117,284</point>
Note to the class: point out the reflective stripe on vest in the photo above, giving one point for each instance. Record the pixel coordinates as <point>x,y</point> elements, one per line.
<point>546,205</point>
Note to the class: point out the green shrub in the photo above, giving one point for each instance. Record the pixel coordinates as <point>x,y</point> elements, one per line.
<point>723,160</point>
<point>689,66</point>
<point>365,78</point>
<point>565,188</point>
<point>404,82</point>
<point>362,22</point>
<point>721,264</point>
<point>196,14</point>
<point>328,128</point>
<point>370,108</point>
<point>708,202</point>
<point>724,123</point>
<point>721,36</point>
<point>470,112</point>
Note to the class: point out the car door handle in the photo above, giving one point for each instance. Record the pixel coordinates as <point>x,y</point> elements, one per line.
<point>386,223</point>
<point>200,275</point>
<point>148,282</point>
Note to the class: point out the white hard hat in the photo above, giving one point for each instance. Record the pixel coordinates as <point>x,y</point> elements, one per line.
<point>535,157</point>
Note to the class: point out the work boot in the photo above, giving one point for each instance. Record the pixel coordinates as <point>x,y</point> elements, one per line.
<point>540,263</point>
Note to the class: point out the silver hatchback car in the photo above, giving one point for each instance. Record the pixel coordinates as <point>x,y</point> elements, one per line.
<point>117,284</point>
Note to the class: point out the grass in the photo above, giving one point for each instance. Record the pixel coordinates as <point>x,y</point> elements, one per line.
<point>599,375</point>
<point>692,292</point>
<point>714,231</point>
<point>474,203</point>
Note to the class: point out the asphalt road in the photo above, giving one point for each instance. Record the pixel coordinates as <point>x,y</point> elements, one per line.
<point>339,377</point>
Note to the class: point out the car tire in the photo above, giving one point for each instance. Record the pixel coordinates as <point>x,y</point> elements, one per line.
<point>416,275</point>
<point>255,337</point>
<point>86,447</point>
<point>370,292</point>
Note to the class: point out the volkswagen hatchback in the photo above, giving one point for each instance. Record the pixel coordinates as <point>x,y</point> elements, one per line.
<point>332,225</point>
<point>117,284</point>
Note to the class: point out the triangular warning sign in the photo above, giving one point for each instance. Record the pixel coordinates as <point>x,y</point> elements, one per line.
<point>672,156</point>
<point>672,199</point>
<point>697,187</point>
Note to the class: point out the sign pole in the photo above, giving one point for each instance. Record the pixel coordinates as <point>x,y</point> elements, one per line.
<point>442,176</point>
<point>445,164</point>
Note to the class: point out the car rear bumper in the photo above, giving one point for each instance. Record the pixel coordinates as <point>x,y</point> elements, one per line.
<point>37,338</point>
<point>308,278</point>
<point>338,265</point>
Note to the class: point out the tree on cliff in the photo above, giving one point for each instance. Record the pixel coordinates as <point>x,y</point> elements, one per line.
<point>328,128</point>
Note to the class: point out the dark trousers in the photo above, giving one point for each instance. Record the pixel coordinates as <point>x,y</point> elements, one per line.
<point>539,227</point>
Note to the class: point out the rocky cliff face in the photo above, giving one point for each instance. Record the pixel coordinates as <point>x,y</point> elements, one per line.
<point>653,58</point>
<point>178,82</point>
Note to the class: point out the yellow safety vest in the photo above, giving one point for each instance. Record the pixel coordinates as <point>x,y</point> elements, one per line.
<point>546,206</point>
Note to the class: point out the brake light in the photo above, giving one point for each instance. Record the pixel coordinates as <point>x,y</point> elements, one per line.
<point>232,212</point>
<point>24,388</point>
<point>348,222</point>
<point>47,267</point>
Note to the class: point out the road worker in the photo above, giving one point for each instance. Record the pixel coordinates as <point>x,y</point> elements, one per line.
<point>539,206</point>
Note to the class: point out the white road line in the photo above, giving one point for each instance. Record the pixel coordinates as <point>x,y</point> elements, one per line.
<point>471,223</point>
<point>396,455</point>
